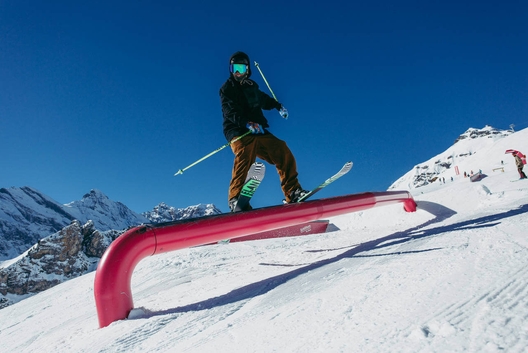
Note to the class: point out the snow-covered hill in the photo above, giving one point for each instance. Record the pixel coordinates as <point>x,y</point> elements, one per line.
<point>488,142</point>
<point>451,277</point>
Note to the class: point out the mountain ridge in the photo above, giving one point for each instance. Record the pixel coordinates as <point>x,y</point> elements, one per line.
<point>61,242</point>
<point>28,215</point>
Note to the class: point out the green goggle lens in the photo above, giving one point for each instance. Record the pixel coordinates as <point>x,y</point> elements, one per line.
<point>242,68</point>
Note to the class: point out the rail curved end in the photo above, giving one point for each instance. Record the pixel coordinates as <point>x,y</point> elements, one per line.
<point>112,291</point>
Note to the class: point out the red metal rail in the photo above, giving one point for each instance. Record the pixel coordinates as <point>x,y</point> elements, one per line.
<point>112,290</point>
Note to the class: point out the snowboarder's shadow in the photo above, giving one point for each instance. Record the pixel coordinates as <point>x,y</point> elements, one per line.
<point>261,287</point>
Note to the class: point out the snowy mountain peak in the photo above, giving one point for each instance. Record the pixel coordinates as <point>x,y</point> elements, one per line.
<point>95,194</point>
<point>486,131</point>
<point>164,213</point>
<point>92,199</point>
<point>105,213</point>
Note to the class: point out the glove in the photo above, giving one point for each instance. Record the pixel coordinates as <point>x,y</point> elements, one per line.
<point>255,128</point>
<point>283,112</point>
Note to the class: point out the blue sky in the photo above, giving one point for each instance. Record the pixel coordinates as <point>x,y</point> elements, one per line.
<point>119,95</point>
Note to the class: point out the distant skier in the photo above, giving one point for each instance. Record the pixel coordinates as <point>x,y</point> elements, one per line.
<point>242,104</point>
<point>519,163</point>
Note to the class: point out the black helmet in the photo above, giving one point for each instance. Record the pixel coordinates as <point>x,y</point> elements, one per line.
<point>240,58</point>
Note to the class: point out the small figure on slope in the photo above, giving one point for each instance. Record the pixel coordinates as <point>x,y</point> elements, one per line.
<point>519,163</point>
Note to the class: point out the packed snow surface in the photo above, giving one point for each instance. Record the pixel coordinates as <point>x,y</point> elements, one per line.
<point>451,277</point>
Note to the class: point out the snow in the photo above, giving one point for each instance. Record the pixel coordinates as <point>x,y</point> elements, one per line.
<point>7,263</point>
<point>451,277</point>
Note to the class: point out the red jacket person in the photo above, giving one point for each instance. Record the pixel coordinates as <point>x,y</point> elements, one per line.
<point>520,165</point>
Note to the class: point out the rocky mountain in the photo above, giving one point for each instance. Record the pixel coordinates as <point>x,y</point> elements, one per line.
<point>27,215</point>
<point>164,213</point>
<point>73,251</point>
<point>448,163</point>
<point>80,233</point>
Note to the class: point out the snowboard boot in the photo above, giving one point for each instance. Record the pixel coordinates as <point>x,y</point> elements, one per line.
<point>296,194</point>
<point>233,203</point>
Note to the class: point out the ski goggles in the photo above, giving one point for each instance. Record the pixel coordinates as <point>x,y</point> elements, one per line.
<point>242,68</point>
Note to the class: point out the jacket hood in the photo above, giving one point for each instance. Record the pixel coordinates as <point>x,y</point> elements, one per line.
<point>239,57</point>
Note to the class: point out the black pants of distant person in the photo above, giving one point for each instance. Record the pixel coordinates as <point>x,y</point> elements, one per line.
<point>521,173</point>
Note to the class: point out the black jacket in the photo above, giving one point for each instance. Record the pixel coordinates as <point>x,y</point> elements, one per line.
<point>242,103</point>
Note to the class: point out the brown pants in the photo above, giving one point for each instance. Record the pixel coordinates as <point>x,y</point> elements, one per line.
<point>272,150</point>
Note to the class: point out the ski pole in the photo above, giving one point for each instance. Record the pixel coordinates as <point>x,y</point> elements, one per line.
<point>210,154</point>
<point>283,112</point>
<point>267,84</point>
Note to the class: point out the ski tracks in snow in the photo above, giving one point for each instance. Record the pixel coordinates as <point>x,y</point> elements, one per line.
<point>494,321</point>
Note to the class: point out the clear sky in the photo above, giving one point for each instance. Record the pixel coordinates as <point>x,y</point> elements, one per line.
<point>119,95</point>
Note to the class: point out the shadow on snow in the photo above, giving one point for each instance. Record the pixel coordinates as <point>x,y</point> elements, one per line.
<point>440,212</point>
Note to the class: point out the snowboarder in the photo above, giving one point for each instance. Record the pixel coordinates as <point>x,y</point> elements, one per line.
<point>519,163</point>
<point>242,104</point>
